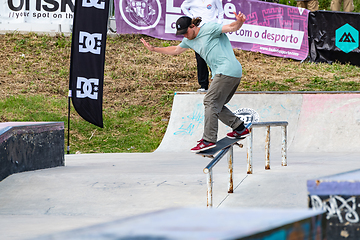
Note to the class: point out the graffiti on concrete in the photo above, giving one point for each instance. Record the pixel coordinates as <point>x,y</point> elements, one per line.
<point>192,122</point>
<point>337,206</point>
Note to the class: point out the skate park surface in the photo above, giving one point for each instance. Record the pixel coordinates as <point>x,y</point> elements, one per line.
<point>323,138</point>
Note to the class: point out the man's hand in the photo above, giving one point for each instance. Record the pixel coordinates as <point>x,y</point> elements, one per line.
<point>236,25</point>
<point>240,17</point>
<point>147,45</point>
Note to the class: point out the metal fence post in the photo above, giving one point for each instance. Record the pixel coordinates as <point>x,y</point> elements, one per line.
<point>111,16</point>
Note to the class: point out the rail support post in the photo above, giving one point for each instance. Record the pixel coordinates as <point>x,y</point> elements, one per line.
<point>284,146</point>
<point>209,188</point>
<point>267,148</point>
<point>231,167</point>
<point>249,152</point>
<point>208,171</point>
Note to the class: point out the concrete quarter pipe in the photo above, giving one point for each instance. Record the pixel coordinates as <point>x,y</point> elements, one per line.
<point>318,121</point>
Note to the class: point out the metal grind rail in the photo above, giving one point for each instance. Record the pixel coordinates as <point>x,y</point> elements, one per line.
<point>267,125</point>
<point>208,169</point>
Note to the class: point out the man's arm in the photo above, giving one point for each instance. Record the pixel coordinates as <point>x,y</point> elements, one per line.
<point>172,50</point>
<point>236,25</point>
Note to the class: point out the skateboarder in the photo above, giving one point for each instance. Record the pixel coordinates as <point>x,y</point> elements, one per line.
<point>210,11</point>
<point>211,42</point>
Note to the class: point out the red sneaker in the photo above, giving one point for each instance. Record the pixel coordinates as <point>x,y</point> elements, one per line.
<point>235,134</point>
<point>202,146</point>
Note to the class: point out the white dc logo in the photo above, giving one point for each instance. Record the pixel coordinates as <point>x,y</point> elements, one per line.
<point>90,42</point>
<point>93,3</point>
<point>87,88</point>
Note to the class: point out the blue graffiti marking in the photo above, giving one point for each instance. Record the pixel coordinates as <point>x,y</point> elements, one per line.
<point>192,122</point>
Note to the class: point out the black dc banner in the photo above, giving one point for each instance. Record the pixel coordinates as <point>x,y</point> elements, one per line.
<point>88,58</point>
<point>334,36</point>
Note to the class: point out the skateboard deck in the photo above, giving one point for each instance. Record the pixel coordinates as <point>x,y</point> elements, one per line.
<point>221,144</point>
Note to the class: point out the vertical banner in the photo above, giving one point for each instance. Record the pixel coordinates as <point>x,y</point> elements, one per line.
<point>338,41</point>
<point>88,58</point>
<point>270,28</point>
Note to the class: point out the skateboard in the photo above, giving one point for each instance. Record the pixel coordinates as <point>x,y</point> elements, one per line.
<point>220,145</point>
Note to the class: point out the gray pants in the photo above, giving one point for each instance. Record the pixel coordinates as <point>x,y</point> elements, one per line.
<point>221,90</point>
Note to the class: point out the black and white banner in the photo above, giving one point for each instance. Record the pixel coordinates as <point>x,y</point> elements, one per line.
<point>88,58</point>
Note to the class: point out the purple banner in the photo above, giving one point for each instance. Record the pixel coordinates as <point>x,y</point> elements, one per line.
<point>270,28</point>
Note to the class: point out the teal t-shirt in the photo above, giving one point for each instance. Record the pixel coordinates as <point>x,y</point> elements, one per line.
<point>215,48</point>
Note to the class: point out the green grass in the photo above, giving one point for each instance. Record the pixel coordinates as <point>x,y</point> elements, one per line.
<point>30,109</point>
<point>319,84</point>
<point>124,131</point>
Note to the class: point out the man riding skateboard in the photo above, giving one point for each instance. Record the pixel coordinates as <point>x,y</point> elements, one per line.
<point>212,44</point>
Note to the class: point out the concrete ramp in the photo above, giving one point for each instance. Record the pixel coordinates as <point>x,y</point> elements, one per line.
<point>318,121</point>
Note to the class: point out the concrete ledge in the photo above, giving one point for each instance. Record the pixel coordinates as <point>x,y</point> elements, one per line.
<point>27,146</point>
<point>199,223</point>
<point>339,196</point>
